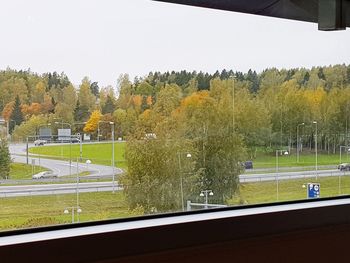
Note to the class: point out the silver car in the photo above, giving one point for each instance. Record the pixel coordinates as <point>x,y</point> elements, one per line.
<point>45,174</point>
<point>39,142</point>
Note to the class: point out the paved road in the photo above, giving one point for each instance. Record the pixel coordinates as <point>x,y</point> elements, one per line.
<point>54,189</point>
<point>61,168</point>
<point>265,177</point>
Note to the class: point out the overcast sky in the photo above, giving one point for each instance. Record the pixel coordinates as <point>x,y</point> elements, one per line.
<point>104,38</point>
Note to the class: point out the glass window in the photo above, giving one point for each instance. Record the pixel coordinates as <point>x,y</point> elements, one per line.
<point>127,108</point>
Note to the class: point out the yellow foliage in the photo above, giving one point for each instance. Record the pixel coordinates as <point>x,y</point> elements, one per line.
<point>195,99</point>
<point>6,113</point>
<point>149,101</point>
<point>92,123</point>
<point>137,101</point>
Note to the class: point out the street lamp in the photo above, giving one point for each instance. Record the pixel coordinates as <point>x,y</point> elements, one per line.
<point>233,101</point>
<point>98,128</point>
<point>315,122</point>
<point>70,145</point>
<point>188,155</point>
<point>73,208</point>
<point>347,148</point>
<point>81,140</point>
<point>298,143</point>
<point>206,193</point>
<point>113,161</point>
<point>277,170</point>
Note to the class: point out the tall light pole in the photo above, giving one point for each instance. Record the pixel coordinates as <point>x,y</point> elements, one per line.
<point>206,193</point>
<point>233,101</point>
<point>277,170</point>
<point>113,160</point>
<point>188,155</point>
<point>298,143</point>
<point>81,140</point>
<point>98,128</point>
<point>315,122</point>
<point>70,144</point>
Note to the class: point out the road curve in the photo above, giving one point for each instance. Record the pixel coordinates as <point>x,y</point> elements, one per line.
<point>61,168</point>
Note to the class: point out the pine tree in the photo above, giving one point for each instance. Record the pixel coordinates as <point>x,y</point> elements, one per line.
<point>16,115</point>
<point>5,160</point>
<point>109,106</point>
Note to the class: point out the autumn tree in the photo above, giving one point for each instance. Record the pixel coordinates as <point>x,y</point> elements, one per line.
<point>85,96</point>
<point>92,123</point>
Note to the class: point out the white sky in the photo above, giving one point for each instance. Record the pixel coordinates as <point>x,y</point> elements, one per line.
<point>104,38</point>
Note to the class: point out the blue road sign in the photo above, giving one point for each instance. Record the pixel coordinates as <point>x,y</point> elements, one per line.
<point>313,190</point>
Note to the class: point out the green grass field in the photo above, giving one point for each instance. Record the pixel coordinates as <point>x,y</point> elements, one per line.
<point>265,160</point>
<point>19,171</point>
<point>266,192</point>
<point>98,153</point>
<point>34,211</point>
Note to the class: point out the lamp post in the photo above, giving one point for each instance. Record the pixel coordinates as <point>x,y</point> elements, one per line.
<point>206,193</point>
<point>113,160</point>
<point>315,122</point>
<point>98,128</point>
<point>81,140</point>
<point>233,101</point>
<point>188,155</point>
<point>298,143</point>
<point>347,148</point>
<point>277,171</point>
<point>73,208</point>
<point>70,145</point>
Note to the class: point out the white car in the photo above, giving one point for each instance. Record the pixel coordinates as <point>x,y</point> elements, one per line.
<point>45,174</point>
<point>39,142</point>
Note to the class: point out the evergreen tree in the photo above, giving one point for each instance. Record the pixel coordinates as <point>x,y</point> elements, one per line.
<point>321,74</point>
<point>16,115</point>
<point>95,88</point>
<point>109,106</point>
<point>81,113</point>
<point>5,160</point>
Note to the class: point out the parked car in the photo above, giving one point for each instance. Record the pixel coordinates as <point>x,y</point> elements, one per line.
<point>344,167</point>
<point>45,174</point>
<point>39,142</point>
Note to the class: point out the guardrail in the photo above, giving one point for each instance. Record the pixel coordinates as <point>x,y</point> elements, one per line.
<point>58,190</point>
<point>275,177</point>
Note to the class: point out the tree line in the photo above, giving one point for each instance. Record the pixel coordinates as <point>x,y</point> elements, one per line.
<point>219,120</point>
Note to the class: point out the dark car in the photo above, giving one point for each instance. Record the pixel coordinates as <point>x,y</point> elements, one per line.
<point>75,140</point>
<point>344,167</point>
<point>248,164</point>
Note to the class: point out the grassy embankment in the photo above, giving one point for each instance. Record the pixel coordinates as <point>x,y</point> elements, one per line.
<point>23,212</point>
<point>19,171</point>
<point>99,153</point>
<point>34,211</point>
